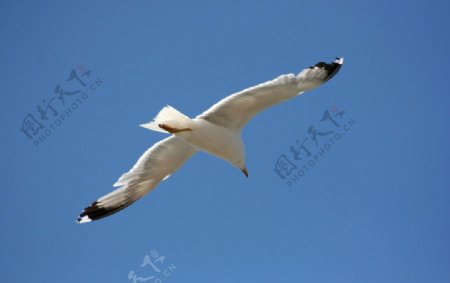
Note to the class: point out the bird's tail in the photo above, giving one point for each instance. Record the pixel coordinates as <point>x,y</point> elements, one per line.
<point>168,116</point>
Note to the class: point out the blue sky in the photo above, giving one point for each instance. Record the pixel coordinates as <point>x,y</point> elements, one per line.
<point>374,208</point>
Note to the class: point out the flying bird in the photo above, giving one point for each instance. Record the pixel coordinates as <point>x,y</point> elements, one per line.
<point>216,131</point>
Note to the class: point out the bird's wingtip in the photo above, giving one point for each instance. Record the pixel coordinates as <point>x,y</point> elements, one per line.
<point>339,60</point>
<point>83,219</point>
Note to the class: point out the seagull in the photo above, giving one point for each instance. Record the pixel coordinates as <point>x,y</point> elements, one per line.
<point>216,131</point>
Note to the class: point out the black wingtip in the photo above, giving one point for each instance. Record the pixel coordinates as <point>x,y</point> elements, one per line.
<point>333,68</point>
<point>88,213</point>
<point>339,60</point>
<point>96,212</point>
<point>93,212</point>
<point>330,68</point>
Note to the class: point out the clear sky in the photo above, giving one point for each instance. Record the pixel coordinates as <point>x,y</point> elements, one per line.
<point>369,204</point>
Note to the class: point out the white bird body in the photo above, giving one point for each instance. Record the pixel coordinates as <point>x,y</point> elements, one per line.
<point>216,131</point>
<point>216,140</point>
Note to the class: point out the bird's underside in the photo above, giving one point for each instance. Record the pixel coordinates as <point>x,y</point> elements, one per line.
<point>216,131</point>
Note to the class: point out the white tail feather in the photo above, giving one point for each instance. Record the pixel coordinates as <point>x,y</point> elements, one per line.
<point>169,116</point>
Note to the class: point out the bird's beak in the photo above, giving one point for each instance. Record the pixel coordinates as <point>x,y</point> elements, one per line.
<point>245,172</point>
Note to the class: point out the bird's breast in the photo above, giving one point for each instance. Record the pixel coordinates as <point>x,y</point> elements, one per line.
<point>216,140</point>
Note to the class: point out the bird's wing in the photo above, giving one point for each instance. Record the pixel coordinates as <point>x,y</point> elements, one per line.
<point>156,164</point>
<point>236,110</point>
